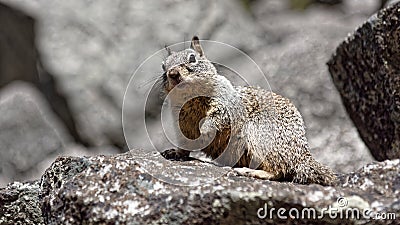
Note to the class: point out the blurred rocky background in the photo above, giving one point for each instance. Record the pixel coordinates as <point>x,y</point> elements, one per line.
<point>64,67</point>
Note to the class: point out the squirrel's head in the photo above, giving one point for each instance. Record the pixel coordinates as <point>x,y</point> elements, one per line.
<point>188,67</point>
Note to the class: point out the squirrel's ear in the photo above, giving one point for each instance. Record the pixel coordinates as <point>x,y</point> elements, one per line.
<point>168,50</point>
<point>196,45</point>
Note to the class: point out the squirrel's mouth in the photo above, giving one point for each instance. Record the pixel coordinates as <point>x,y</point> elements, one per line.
<point>174,81</point>
<point>173,78</point>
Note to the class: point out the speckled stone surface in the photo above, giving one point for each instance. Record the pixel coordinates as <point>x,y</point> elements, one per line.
<point>119,190</point>
<point>20,205</point>
<point>365,70</point>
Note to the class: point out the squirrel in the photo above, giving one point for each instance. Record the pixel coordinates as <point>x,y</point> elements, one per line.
<point>260,133</point>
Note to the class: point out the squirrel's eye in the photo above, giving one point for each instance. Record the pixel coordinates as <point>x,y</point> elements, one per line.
<point>192,58</point>
<point>163,66</point>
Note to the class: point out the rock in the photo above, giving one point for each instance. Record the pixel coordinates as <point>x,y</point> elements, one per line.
<point>365,70</point>
<point>30,132</point>
<point>36,119</point>
<point>379,178</point>
<point>120,189</point>
<point>20,205</point>
<point>124,189</point>
<point>386,3</point>
<point>20,60</point>
<point>303,4</point>
<point>17,51</point>
<point>31,135</point>
<point>330,2</point>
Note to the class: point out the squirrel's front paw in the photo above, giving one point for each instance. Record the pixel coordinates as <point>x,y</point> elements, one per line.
<point>260,174</point>
<point>175,154</point>
<point>208,127</point>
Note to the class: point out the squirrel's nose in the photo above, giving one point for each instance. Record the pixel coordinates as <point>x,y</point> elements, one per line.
<point>174,74</point>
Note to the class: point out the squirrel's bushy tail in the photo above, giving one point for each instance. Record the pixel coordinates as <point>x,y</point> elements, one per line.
<point>312,172</point>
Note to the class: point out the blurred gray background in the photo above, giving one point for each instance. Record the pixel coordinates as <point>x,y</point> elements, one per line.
<point>65,65</point>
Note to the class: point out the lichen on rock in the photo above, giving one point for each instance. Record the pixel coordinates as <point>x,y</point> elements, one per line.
<point>117,189</point>
<point>20,204</point>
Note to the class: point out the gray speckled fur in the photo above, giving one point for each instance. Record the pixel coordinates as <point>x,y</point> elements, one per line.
<point>253,127</point>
